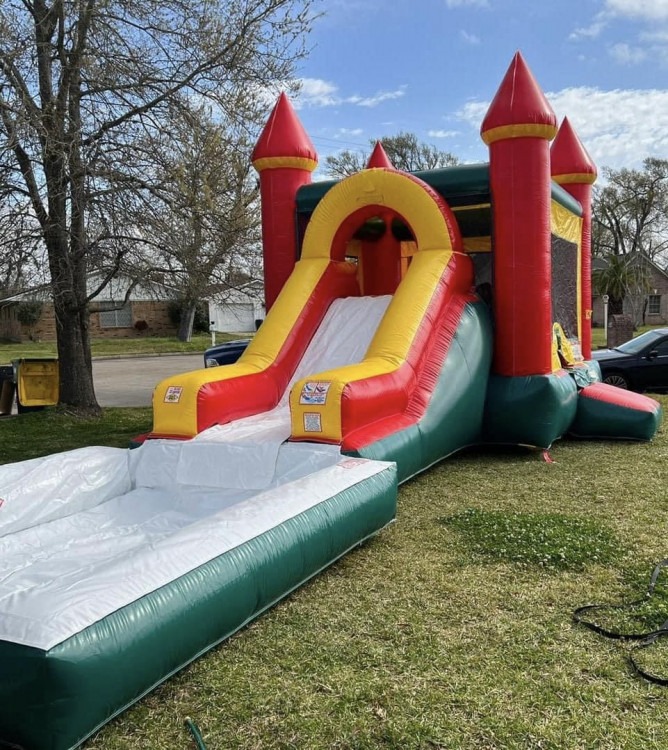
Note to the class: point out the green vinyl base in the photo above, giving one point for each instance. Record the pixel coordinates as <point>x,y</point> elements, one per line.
<point>534,410</point>
<point>453,418</point>
<point>606,412</point>
<point>54,699</point>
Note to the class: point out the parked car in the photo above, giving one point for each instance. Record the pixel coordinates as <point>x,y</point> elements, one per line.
<point>225,354</point>
<point>640,364</point>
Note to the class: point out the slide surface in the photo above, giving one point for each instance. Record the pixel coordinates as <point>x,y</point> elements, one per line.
<point>383,384</point>
<point>185,405</point>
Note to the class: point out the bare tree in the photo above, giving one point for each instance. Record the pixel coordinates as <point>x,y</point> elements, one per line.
<point>630,212</point>
<point>83,81</point>
<point>21,246</point>
<point>207,232</point>
<point>404,150</point>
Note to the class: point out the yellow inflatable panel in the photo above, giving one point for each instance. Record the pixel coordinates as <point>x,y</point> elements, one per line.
<point>387,352</point>
<point>175,407</point>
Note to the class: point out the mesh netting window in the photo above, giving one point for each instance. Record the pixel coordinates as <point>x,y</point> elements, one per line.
<point>565,285</point>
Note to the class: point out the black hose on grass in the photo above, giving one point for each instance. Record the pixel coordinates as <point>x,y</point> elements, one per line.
<point>643,640</point>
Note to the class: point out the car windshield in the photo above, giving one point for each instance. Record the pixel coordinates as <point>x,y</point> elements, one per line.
<point>636,345</point>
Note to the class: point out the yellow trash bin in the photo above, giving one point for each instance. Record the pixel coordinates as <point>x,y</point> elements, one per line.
<point>37,382</point>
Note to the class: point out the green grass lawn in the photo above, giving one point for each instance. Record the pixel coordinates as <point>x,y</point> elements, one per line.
<point>451,630</point>
<point>39,433</point>
<point>116,347</point>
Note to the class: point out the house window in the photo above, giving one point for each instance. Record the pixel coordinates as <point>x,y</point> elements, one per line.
<point>113,316</point>
<point>654,304</point>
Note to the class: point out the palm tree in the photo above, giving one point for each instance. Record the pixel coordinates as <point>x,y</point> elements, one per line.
<point>623,276</point>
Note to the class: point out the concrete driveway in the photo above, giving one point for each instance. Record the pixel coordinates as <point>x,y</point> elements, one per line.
<point>130,381</point>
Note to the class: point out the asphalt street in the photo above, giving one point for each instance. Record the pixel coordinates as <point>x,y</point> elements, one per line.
<point>130,381</point>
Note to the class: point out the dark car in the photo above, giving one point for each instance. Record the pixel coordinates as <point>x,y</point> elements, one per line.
<point>640,364</point>
<point>225,354</point>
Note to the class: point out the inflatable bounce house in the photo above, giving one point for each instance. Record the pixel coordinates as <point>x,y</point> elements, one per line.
<point>409,316</point>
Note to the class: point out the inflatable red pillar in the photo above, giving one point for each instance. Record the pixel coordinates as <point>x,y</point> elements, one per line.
<point>285,157</point>
<point>380,259</point>
<point>574,170</point>
<point>518,128</point>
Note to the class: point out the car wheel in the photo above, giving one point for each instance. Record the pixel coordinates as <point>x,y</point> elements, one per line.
<point>616,379</point>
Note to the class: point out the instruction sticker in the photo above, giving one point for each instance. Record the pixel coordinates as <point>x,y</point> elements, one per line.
<point>312,422</point>
<point>351,463</point>
<point>173,394</point>
<point>314,393</point>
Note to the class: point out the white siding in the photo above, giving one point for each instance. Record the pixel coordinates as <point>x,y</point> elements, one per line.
<point>233,317</point>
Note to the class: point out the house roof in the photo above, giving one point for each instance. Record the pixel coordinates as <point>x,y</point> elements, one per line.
<point>120,288</point>
<point>116,290</point>
<point>600,264</point>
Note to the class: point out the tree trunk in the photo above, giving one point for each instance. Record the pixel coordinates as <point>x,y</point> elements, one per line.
<point>76,367</point>
<point>64,235</point>
<point>185,332</point>
<point>616,306</point>
<point>68,285</point>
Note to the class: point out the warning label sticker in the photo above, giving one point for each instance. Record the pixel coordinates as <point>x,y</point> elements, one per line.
<point>314,393</point>
<point>312,422</point>
<point>351,463</point>
<point>173,394</point>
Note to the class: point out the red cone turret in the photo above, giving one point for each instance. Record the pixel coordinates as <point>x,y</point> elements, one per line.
<point>575,171</point>
<point>284,138</point>
<point>285,157</point>
<point>379,158</point>
<point>570,161</point>
<point>519,108</point>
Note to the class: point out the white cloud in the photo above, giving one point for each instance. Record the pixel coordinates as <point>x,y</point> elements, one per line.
<point>442,133</point>
<point>467,3</point>
<point>373,101</point>
<point>590,32</point>
<point>626,55</point>
<point>643,11</point>
<point>469,38</point>
<point>349,131</point>
<point>619,128</point>
<point>647,10</point>
<point>473,112</point>
<point>659,36</point>
<point>316,92</point>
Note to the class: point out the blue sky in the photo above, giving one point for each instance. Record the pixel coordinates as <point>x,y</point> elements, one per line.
<point>432,66</point>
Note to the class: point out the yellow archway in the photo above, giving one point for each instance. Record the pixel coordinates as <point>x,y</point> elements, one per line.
<point>428,215</point>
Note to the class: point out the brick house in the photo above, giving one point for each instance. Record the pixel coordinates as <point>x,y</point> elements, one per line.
<point>649,308</point>
<point>121,310</point>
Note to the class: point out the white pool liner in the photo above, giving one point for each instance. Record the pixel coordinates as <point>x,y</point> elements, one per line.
<point>57,578</point>
<point>86,532</point>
